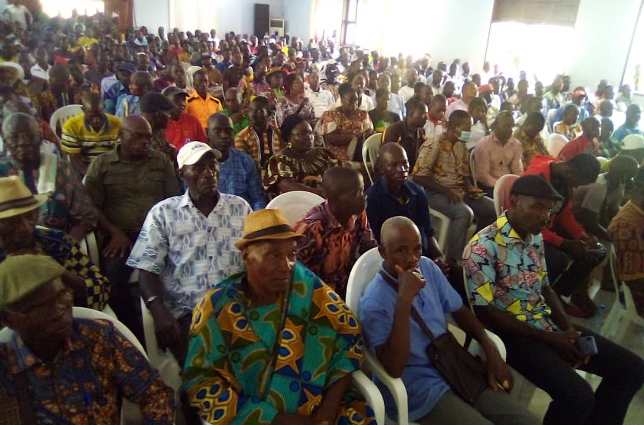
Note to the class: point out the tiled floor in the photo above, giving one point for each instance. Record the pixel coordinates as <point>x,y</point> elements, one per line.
<point>633,340</point>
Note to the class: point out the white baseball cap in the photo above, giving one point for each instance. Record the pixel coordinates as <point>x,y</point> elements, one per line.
<point>633,142</point>
<point>191,153</point>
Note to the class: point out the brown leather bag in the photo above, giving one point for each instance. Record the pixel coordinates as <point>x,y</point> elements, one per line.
<point>464,373</point>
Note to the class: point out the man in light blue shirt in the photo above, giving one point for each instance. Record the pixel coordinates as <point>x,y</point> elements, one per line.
<point>408,281</point>
<point>631,125</point>
<point>130,103</point>
<point>238,173</point>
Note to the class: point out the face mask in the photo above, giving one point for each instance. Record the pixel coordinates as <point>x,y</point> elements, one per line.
<point>465,136</point>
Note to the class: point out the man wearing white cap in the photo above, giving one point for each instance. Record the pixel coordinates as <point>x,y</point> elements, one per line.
<point>633,145</point>
<point>186,246</point>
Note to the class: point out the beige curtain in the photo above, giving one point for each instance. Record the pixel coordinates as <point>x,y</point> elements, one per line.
<point>552,12</point>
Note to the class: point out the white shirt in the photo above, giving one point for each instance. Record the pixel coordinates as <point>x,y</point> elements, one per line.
<point>321,100</point>
<point>433,131</point>
<point>396,104</point>
<point>17,14</point>
<point>406,93</point>
<point>366,104</point>
<point>37,71</point>
<point>458,105</point>
<point>190,252</point>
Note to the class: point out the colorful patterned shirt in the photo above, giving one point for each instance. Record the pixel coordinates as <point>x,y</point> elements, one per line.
<point>232,344</point>
<point>68,203</point>
<point>85,382</point>
<point>507,272</point>
<point>128,104</point>
<point>447,162</point>
<point>531,146</point>
<point>307,170</point>
<point>112,95</point>
<point>329,248</point>
<point>627,233</point>
<point>248,141</point>
<point>190,252</point>
<point>359,124</point>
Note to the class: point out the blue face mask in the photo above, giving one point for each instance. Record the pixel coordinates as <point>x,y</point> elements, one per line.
<point>465,136</point>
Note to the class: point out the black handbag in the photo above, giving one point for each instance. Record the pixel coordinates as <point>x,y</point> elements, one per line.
<point>465,374</point>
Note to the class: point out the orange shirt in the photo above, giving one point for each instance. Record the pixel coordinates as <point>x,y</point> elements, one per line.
<point>201,108</point>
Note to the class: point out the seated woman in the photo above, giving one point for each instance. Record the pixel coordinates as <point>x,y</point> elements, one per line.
<point>299,166</point>
<point>20,235</point>
<point>294,102</point>
<point>381,117</point>
<point>273,345</point>
<point>344,127</point>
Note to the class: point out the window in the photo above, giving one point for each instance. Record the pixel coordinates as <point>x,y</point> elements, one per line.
<point>64,8</point>
<point>536,48</point>
<point>350,22</point>
<point>634,72</point>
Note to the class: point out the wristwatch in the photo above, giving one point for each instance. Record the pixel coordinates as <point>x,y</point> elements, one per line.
<point>150,300</point>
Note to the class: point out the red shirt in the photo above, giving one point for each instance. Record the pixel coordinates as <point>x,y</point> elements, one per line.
<point>564,219</point>
<point>186,129</point>
<point>581,144</point>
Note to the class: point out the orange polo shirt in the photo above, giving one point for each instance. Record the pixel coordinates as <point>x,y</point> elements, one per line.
<point>201,108</point>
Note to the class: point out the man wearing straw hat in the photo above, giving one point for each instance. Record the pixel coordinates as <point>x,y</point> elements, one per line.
<point>273,344</point>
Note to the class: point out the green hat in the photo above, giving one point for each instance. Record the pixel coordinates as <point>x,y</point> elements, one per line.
<point>22,274</point>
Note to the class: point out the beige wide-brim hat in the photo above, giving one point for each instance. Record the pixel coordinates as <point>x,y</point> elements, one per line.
<point>17,70</point>
<point>264,225</point>
<point>16,198</point>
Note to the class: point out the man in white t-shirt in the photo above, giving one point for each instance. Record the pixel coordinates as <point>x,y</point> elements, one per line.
<point>407,91</point>
<point>18,14</point>
<point>321,99</point>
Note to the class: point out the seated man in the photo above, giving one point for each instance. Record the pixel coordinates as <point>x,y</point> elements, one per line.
<point>595,204</point>
<point>200,103</point>
<point>443,169</point>
<point>436,124</point>
<point>409,132</point>
<point>529,135</point>
<point>321,99</point>
<point>89,134</point>
<point>626,233</point>
<point>274,305</point>
<point>20,235</point>
<point>43,170</point>
<point>497,154</point>
<point>130,103</point>
<point>569,125</point>
<point>505,265</point>
<point>569,250</point>
<point>57,369</point>
<point>410,287</point>
<point>393,194</point>
<point>238,173</point>
<point>156,110</point>
<point>185,246</point>
<point>381,117</point>
<point>261,139</point>
<point>336,232</point>
<point>631,125</point>
<point>588,142</point>
<point>234,110</point>
<point>124,184</point>
<point>124,71</point>
<point>182,127</point>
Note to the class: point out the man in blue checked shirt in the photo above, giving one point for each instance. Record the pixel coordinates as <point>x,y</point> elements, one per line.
<point>238,171</point>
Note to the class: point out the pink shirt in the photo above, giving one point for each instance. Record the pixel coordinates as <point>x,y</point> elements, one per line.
<point>459,105</point>
<point>493,160</point>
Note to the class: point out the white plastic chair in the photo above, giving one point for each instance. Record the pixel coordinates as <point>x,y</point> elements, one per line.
<point>370,151</point>
<point>130,412</point>
<point>440,223</point>
<point>89,247</point>
<point>555,144</point>
<point>61,115</point>
<point>294,205</point>
<point>501,192</point>
<point>361,275</point>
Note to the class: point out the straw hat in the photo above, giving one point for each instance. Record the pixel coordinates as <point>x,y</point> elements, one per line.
<point>16,69</point>
<point>16,198</point>
<point>265,225</point>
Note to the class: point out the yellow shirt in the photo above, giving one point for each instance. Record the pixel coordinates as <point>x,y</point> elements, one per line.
<point>78,139</point>
<point>201,108</point>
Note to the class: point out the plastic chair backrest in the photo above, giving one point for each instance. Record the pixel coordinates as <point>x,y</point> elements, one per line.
<point>555,144</point>
<point>502,192</point>
<point>370,151</point>
<point>294,205</point>
<point>472,156</point>
<point>550,118</point>
<point>361,275</point>
<point>61,115</point>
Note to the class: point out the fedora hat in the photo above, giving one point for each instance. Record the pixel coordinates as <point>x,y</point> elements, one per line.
<point>16,198</point>
<point>265,225</point>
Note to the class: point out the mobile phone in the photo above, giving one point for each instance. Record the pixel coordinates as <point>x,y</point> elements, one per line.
<point>587,345</point>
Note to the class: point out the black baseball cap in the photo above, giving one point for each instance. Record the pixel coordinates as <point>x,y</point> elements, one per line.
<point>155,102</point>
<point>536,186</point>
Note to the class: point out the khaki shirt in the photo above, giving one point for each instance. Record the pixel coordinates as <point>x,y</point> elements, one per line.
<point>125,191</point>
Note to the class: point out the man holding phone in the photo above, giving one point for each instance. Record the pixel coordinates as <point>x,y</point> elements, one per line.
<point>507,277</point>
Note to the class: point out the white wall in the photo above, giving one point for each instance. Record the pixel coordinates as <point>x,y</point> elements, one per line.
<point>152,14</point>
<point>298,15</point>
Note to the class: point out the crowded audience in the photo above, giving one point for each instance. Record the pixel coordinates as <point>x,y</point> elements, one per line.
<point>155,190</point>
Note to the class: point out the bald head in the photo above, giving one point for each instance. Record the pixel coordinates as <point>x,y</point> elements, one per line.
<point>395,228</point>
<point>136,138</point>
<point>136,123</point>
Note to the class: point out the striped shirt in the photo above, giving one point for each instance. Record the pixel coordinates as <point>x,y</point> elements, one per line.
<point>79,139</point>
